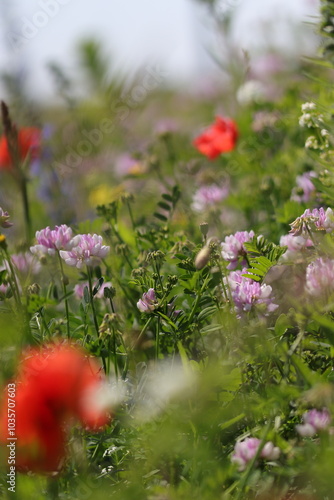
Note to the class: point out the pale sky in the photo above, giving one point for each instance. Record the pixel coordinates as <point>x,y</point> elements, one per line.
<point>173,33</point>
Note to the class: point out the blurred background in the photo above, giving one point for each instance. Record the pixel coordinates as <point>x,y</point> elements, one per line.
<point>178,35</point>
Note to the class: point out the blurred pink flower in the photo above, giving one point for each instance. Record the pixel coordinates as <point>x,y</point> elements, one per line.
<point>296,245</point>
<point>305,188</point>
<point>314,421</point>
<point>320,277</point>
<point>245,451</point>
<point>79,290</point>
<point>208,196</point>
<point>85,249</point>
<point>26,263</point>
<point>247,293</point>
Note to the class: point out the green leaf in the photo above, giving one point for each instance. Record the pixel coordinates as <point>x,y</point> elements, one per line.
<point>211,329</point>
<point>164,206</point>
<point>160,216</point>
<point>232,421</point>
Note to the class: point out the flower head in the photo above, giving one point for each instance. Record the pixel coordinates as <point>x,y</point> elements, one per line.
<point>51,240</point>
<point>317,219</point>
<point>207,196</point>
<point>148,302</point>
<point>245,451</point>
<point>219,138</point>
<point>85,249</point>
<point>4,222</point>
<point>54,385</point>
<point>247,294</point>
<point>314,421</point>
<point>233,247</point>
<point>29,143</point>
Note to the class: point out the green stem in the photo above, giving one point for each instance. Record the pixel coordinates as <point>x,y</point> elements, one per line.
<point>198,298</point>
<point>26,209</point>
<point>157,338</point>
<point>91,298</point>
<point>65,297</point>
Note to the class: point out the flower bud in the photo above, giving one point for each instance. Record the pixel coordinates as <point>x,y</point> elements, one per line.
<point>202,258</point>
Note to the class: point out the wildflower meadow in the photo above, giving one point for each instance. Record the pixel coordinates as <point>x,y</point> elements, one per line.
<point>167,283</point>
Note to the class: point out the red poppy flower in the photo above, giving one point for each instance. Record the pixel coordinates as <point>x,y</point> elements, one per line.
<point>54,386</point>
<point>220,138</point>
<point>29,142</point>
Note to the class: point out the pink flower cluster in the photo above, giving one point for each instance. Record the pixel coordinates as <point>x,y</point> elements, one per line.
<point>320,277</point>
<point>49,241</point>
<point>245,451</point>
<point>76,251</point>
<point>319,218</point>
<point>233,248</point>
<point>247,294</point>
<point>314,421</point>
<point>148,302</point>
<point>85,249</point>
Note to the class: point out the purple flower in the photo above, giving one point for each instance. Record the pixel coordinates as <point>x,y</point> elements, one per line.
<point>320,277</point>
<point>305,188</point>
<point>233,247</point>
<point>148,302</point>
<point>51,240</point>
<point>4,216</point>
<point>318,218</point>
<point>247,294</point>
<point>314,421</point>
<point>296,245</point>
<point>245,451</point>
<point>79,290</point>
<point>208,196</point>
<point>85,249</point>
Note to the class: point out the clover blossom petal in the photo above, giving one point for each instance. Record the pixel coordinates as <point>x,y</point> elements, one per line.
<point>49,241</point>
<point>148,302</point>
<point>247,294</point>
<point>85,249</point>
<point>233,247</point>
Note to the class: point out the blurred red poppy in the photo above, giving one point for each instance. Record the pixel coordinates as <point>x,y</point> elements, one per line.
<point>219,138</point>
<point>29,142</point>
<point>54,386</point>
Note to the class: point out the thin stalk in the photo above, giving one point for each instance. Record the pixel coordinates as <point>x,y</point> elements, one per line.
<point>26,209</point>
<point>91,298</point>
<point>198,298</point>
<point>65,296</point>
<point>157,338</point>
